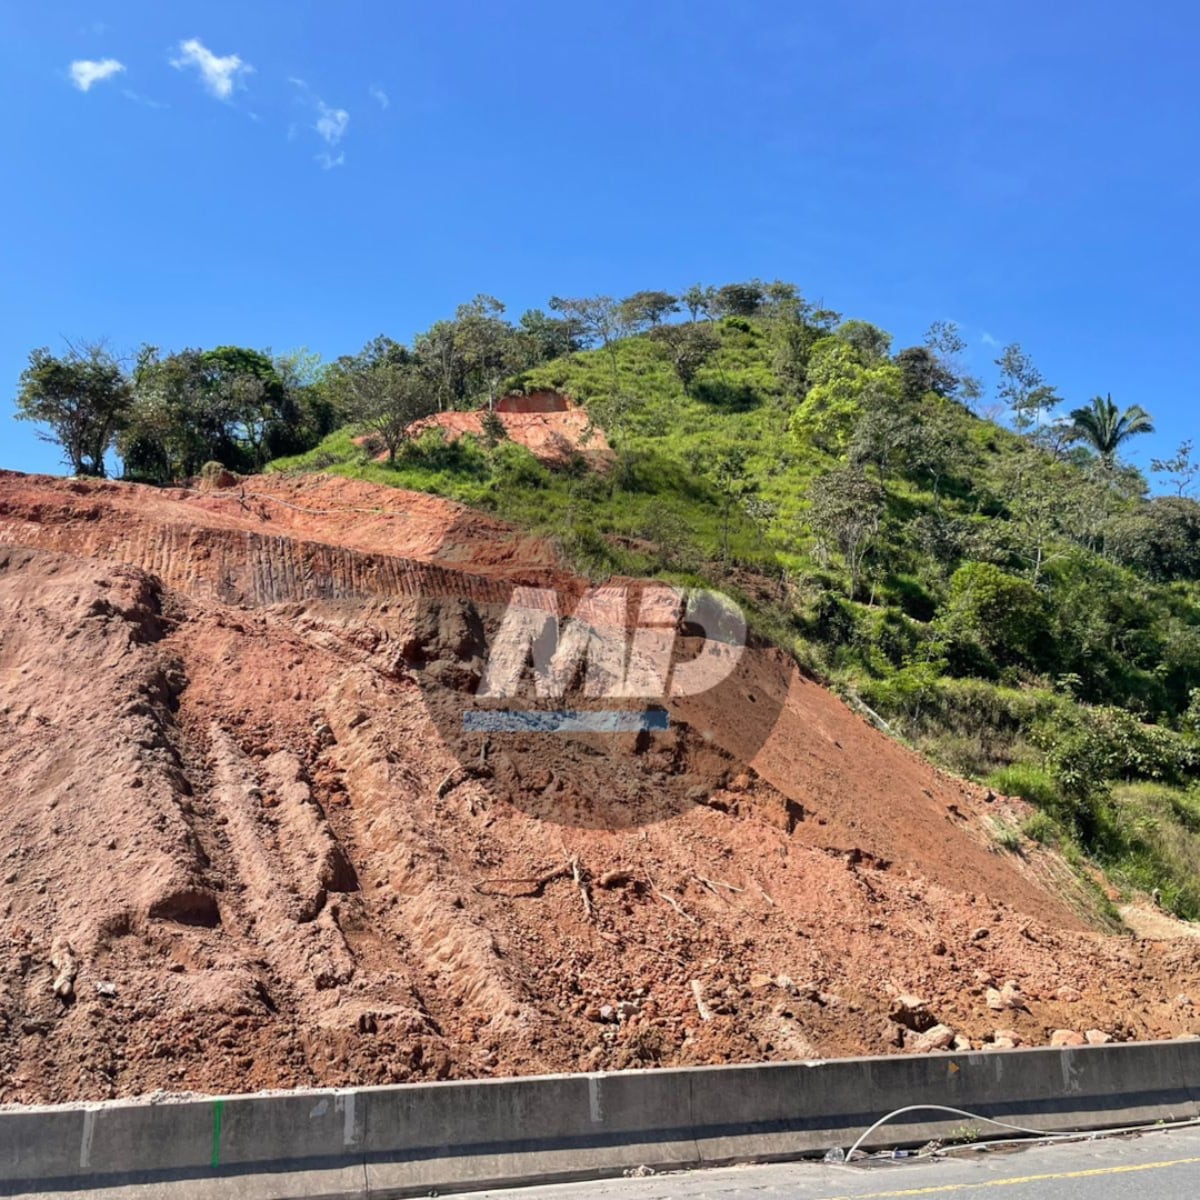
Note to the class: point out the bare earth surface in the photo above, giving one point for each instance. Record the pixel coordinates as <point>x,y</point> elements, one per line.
<point>553,437</point>
<point>239,851</point>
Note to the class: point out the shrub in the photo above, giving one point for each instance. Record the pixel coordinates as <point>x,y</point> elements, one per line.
<point>1031,783</point>
<point>1040,827</point>
<point>1094,746</point>
<point>1008,837</point>
<point>1161,539</point>
<point>494,429</point>
<point>990,611</point>
<point>1153,848</point>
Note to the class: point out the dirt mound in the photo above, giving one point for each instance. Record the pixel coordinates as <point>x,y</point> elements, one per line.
<point>555,438</point>
<point>238,851</point>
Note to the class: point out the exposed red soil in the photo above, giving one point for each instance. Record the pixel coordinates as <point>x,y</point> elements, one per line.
<point>237,840</point>
<point>555,438</point>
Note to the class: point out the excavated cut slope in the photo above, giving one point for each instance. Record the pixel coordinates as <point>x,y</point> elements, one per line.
<point>239,850</point>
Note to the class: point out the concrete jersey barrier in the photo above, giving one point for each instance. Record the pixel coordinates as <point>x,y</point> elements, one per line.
<point>412,1139</point>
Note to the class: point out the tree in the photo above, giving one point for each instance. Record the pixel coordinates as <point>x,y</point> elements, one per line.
<point>228,405</point>
<point>923,372</point>
<point>845,510</point>
<point>698,300</point>
<point>1023,388</point>
<point>385,398</point>
<point>493,428</point>
<point>782,301</point>
<point>794,327</point>
<point>840,387</point>
<point>542,338</point>
<point>738,299</point>
<point>1002,614</point>
<point>83,397</point>
<point>251,399</point>
<point>938,447</point>
<point>305,380</point>
<point>882,432</point>
<point>1105,429</point>
<point>735,488</point>
<point>648,308</point>
<point>441,357</point>
<point>1182,469</point>
<point>869,341</point>
<point>599,320</point>
<point>1159,539</point>
<point>1046,501</point>
<point>486,343</point>
<point>944,341</point>
<point>176,423</point>
<point>689,348</point>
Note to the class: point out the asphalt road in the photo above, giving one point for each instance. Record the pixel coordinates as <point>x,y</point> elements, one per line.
<point>1155,1166</point>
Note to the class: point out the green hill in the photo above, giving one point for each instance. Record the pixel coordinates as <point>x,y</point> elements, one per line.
<point>1007,598</point>
<point>1008,602</point>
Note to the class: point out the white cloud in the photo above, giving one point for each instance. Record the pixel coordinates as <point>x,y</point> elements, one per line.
<point>85,71</point>
<point>988,340</point>
<point>328,162</point>
<point>220,74</point>
<point>332,122</point>
<point>379,95</point>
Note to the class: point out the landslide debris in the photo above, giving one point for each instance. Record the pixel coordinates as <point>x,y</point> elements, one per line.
<point>239,851</point>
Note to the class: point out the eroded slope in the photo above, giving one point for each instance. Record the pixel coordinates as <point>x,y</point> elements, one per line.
<point>239,849</point>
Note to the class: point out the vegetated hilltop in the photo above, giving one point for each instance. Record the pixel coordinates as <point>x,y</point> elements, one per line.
<point>241,850</point>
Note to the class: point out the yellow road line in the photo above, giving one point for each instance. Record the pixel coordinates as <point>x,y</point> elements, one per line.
<point>1016,1180</point>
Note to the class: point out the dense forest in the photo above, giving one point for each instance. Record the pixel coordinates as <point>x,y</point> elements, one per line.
<point>985,579</point>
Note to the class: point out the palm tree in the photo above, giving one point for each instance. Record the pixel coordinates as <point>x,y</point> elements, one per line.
<point>1105,429</point>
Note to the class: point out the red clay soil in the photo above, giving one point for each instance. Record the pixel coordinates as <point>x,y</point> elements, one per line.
<point>238,852</point>
<point>555,438</point>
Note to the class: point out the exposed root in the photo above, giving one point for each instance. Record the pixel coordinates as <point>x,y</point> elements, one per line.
<point>577,874</point>
<point>535,885</point>
<point>674,904</point>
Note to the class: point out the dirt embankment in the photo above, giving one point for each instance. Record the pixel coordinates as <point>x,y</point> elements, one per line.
<point>239,849</point>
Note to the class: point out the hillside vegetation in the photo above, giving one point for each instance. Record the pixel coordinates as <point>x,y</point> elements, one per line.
<point>1006,597</point>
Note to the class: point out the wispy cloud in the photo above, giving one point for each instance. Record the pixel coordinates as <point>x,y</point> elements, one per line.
<point>219,73</point>
<point>86,71</point>
<point>332,123</point>
<point>138,98</point>
<point>330,126</point>
<point>988,340</point>
<point>379,96</point>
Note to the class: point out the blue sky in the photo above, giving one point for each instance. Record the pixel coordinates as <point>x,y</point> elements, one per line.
<point>276,173</point>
